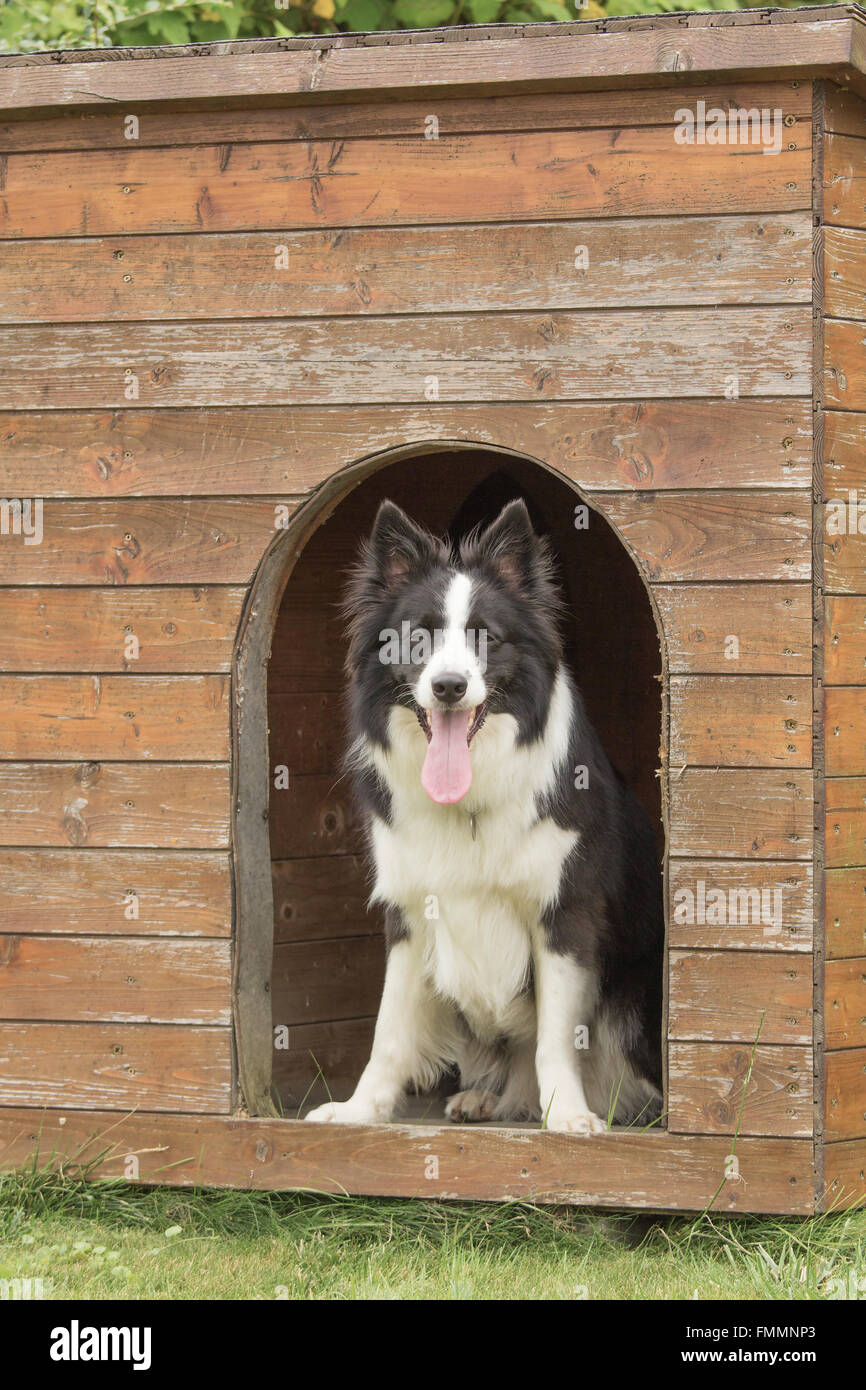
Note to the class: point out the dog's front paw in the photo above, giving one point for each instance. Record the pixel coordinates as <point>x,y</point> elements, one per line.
<point>575,1122</point>
<point>471,1106</point>
<point>343,1112</point>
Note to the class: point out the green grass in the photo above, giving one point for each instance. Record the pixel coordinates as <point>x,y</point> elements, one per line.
<point>96,1240</point>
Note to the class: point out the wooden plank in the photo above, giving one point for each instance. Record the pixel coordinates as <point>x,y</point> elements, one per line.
<point>124,717</point>
<point>528,111</point>
<point>522,176</point>
<point>845,364</point>
<point>846,822</point>
<point>706,1081</point>
<point>721,996</point>
<point>276,450</point>
<point>779,918</point>
<point>114,892</point>
<point>321,981</point>
<point>738,813</point>
<point>315,898</point>
<point>144,541</point>
<point>322,1061</point>
<point>844,181</point>
<point>845,1004</point>
<point>175,629</point>
<point>547,59</point>
<point>845,1094</point>
<point>654,1170</point>
<point>845,640</point>
<point>845,1179</point>
<point>307,732</point>
<point>734,535</point>
<point>141,1066</point>
<point>772,625</point>
<point>844,111</point>
<point>146,805</point>
<point>116,979</point>
<point>844,463</point>
<point>314,816</point>
<point>388,270</point>
<point>844,273</point>
<point>741,721</point>
<point>591,354</point>
<point>845,730</point>
<point>845,912</point>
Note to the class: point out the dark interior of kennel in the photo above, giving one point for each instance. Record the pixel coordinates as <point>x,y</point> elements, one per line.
<point>328,949</point>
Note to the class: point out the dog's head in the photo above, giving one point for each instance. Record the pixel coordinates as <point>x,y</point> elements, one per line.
<point>458,639</point>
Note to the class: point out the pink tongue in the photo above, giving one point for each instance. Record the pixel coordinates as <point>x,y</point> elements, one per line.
<point>447,772</point>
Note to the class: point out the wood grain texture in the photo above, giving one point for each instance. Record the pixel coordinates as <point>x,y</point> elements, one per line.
<point>656,1170</point>
<point>772,624</point>
<point>844,273</point>
<point>734,535</point>
<point>123,717</point>
<point>845,1004</point>
<point>146,805</point>
<point>722,995</point>
<point>846,822</point>
<point>620,263</point>
<point>741,721</point>
<point>844,181</point>
<point>322,1061</point>
<point>315,898</point>
<point>346,182</point>
<point>845,1176</point>
<point>845,1094</point>
<point>277,450</point>
<point>845,640</point>
<point>124,1067</point>
<point>116,979</point>
<point>528,111</point>
<point>845,730</point>
<point>844,462</point>
<point>115,892</point>
<point>175,629</point>
<point>738,813</point>
<point>145,541</point>
<point>322,981</point>
<point>844,111</point>
<point>706,1082</point>
<point>314,816</point>
<point>747,922</point>
<point>307,731</point>
<point>553,59</point>
<point>845,891</point>
<point>591,354</point>
<point>845,364</point>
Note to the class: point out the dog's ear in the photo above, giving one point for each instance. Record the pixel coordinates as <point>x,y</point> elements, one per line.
<point>509,545</point>
<point>397,546</point>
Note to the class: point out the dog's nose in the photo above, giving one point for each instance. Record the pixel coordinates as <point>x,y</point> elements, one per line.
<point>449,688</point>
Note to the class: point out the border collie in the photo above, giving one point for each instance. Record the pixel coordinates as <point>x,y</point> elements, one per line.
<point>519,875</point>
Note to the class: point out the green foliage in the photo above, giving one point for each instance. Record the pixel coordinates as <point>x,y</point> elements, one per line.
<point>30,25</point>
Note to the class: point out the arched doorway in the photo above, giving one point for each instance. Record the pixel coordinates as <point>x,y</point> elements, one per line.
<point>310,957</point>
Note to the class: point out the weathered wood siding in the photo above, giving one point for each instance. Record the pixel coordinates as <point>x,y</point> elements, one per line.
<point>197,329</point>
<point>843,533</point>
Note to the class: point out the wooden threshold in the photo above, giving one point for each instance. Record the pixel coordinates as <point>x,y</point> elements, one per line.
<point>652,1170</point>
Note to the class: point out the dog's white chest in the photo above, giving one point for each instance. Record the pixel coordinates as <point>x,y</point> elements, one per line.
<point>475,900</point>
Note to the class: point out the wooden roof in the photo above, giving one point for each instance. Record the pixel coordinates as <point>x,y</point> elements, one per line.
<point>646,50</point>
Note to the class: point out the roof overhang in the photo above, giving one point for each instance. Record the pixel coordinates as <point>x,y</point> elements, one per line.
<point>650,50</point>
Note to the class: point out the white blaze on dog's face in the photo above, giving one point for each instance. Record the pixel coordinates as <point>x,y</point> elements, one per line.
<point>451,691</point>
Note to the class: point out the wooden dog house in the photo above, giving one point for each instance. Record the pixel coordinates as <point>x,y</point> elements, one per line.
<point>247,290</point>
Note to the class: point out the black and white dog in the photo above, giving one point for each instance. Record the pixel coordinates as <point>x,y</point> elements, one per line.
<point>519,875</point>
